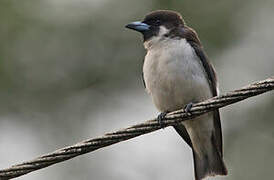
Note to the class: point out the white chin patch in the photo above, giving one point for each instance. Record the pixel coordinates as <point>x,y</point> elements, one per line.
<point>157,39</point>
<point>163,31</point>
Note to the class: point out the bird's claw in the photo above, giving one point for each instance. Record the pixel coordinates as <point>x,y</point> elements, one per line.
<point>160,118</point>
<point>188,107</point>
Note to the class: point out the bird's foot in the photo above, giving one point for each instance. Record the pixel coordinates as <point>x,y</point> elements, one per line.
<point>161,117</point>
<point>188,107</point>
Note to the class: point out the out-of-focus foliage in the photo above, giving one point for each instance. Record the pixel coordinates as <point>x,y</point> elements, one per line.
<point>69,70</point>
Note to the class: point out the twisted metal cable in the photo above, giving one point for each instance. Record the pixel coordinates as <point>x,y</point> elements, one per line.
<point>124,134</point>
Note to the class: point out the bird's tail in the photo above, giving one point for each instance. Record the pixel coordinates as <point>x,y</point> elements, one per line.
<point>208,164</point>
<point>205,139</point>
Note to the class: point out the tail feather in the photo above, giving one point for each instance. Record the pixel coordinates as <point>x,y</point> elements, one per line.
<point>208,164</point>
<point>204,136</point>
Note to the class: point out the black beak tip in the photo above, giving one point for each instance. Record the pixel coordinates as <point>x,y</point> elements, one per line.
<point>128,26</point>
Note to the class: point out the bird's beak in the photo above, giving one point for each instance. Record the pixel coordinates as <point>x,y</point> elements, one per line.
<point>138,26</point>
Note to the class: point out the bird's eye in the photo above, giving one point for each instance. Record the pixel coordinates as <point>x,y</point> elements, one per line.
<point>157,22</point>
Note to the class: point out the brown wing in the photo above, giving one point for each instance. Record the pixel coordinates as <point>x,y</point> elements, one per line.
<point>194,41</point>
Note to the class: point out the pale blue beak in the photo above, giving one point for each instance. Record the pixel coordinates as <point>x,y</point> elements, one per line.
<point>138,26</point>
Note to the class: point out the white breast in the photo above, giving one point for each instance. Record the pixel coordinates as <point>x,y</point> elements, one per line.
<point>174,74</point>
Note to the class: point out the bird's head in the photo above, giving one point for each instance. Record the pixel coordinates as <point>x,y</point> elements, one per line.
<point>158,24</point>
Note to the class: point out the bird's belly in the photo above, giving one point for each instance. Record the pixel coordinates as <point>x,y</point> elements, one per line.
<point>170,94</point>
<point>173,83</point>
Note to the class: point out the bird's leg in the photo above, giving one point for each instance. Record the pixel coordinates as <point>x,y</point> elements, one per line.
<point>188,107</point>
<point>160,118</point>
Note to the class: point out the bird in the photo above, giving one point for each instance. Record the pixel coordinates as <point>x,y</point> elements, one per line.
<point>176,74</point>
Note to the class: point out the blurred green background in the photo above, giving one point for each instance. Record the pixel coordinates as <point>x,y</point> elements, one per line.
<point>69,70</point>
